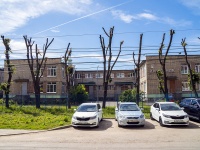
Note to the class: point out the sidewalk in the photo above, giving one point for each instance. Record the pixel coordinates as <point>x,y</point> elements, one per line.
<point>7,132</point>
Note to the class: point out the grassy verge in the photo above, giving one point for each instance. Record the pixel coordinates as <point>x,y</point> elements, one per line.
<point>28,117</point>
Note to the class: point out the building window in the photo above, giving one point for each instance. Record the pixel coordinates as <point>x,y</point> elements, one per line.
<point>63,87</point>
<point>51,87</point>
<point>120,75</point>
<point>63,72</point>
<point>185,86</point>
<point>88,75</point>
<point>40,72</point>
<point>41,87</point>
<point>51,71</point>
<point>99,75</point>
<point>184,69</point>
<point>131,75</point>
<point>197,68</point>
<point>112,75</point>
<point>77,76</point>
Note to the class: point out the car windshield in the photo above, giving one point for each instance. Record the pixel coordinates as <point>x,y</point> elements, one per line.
<point>128,107</point>
<point>87,108</point>
<point>169,107</point>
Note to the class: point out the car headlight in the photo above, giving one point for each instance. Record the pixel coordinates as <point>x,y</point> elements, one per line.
<point>142,116</point>
<point>74,117</point>
<point>166,116</point>
<point>122,117</point>
<point>93,117</point>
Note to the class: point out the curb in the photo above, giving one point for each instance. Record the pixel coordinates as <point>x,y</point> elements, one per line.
<point>57,128</point>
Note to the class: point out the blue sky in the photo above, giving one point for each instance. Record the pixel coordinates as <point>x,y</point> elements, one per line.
<point>80,23</point>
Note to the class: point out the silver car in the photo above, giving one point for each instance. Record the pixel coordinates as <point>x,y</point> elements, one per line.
<point>129,114</point>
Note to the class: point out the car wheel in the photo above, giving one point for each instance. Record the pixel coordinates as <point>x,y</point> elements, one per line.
<point>161,123</point>
<point>97,124</point>
<point>119,124</point>
<point>102,118</point>
<point>151,117</point>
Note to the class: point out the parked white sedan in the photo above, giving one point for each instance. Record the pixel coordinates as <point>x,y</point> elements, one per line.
<point>87,115</point>
<point>129,114</point>
<point>168,113</point>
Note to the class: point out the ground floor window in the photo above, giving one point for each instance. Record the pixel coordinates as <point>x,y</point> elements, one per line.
<point>51,87</point>
<point>185,86</point>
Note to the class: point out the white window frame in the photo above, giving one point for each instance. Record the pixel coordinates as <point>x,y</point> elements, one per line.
<point>41,86</point>
<point>197,68</point>
<point>186,86</point>
<point>120,75</point>
<point>112,75</point>
<point>88,75</point>
<point>51,71</point>
<point>51,87</point>
<point>99,75</point>
<point>184,69</point>
<point>78,76</point>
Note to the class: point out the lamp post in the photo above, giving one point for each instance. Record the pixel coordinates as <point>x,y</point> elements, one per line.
<point>97,85</point>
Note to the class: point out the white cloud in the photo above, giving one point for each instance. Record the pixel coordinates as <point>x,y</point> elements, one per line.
<point>16,13</point>
<point>147,16</point>
<point>127,18</point>
<point>124,17</point>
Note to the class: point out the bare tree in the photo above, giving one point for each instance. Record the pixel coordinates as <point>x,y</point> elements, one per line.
<point>6,85</point>
<point>193,77</point>
<point>107,57</point>
<point>137,71</point>
<point>68,74</point>
<point>161,74</point>
<point>37,65</point>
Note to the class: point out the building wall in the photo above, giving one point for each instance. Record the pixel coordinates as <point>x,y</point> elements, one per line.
<point>22,75</point>
<point>115,87</point>
<point>175,77</point>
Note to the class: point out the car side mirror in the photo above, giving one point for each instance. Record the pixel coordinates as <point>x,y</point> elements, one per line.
<point>99,110</point>
<point>74,109</point>
<point>157,109</point>
<point>116,109</point>
<point>142,108</point>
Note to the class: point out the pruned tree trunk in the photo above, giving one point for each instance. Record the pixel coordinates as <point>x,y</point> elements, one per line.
<point>35,64</point>
<point>192,76</point>
<point>137,64</point>
<point>6,86</point>
<point>67,75</point>
<point>107,57</point>
<point>162,61</point>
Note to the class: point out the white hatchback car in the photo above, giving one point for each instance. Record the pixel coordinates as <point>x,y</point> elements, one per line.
<point>168,113</point>
<point>87,115</point>
<point>129,114</point>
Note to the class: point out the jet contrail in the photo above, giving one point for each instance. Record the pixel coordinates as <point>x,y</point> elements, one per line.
<point>83,17</point>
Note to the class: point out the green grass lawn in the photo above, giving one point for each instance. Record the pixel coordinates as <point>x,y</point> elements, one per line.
<point>48,117</point>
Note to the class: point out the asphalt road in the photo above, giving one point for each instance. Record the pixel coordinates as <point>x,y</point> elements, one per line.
<point>108,137</point>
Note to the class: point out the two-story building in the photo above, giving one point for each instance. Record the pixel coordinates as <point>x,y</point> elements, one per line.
<point>177,75</point>
<point>53,82</point>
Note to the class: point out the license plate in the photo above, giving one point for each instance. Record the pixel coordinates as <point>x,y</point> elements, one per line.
<point>83,122</point>
<point>132,120</point>
<point>178,120</point>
